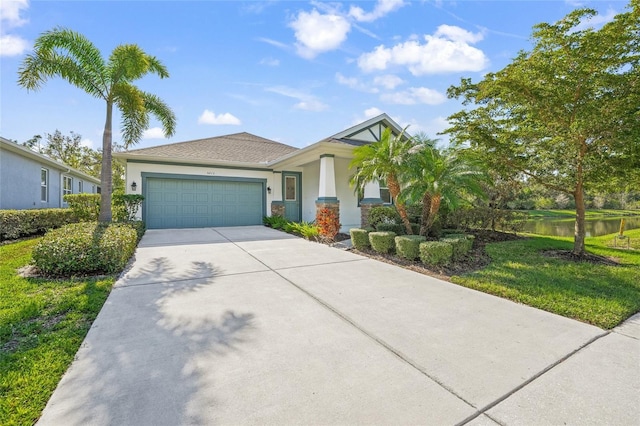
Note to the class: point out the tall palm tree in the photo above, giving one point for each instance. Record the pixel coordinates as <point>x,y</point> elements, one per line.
<point>67,54</point>
<point>384,161</point>
<point>436,176</point>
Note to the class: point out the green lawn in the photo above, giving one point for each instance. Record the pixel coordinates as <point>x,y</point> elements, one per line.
<point>534,214</point>
<point>600,295</point>
<point>42,324</point>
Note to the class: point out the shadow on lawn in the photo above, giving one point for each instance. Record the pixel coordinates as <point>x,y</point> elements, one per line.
<point>143,361</point>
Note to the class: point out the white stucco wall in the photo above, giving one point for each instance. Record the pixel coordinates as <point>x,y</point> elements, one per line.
<point>349,210</point>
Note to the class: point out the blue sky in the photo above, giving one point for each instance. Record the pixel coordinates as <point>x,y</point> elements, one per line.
<point>291,71</point>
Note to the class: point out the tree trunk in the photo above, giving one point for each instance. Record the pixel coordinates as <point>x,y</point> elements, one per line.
<point>433,210</point>
<point>106,178</point>
<point>580,231</point>
<point>394,191</point>
<point>424,220</point>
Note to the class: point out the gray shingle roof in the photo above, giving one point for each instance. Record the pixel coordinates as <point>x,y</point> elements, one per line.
<point>238,147</point>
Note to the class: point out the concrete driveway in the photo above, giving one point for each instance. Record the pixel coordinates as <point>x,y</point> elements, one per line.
<point>253,326</point>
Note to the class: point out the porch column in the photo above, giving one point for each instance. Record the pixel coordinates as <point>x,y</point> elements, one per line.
<point>371,199</point>
<point>277,204</point>
<point>327,197</point>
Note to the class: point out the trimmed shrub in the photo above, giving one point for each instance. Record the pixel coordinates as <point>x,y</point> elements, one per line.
<point>460,246</point>
<point>383,214</point>
<point>397,228</point>
<point>22,223</point>
<point>85,206</point>
<point>382,242</point>
<point>139,226</point>
<point>360,238</point>
<point>436,253</point>
<point>408,246</point>
<point>125,206</point>
<point>85,248</point>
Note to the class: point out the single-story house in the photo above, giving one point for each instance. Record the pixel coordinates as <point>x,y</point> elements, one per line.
<point>237,179</point>
<point>30,180</point>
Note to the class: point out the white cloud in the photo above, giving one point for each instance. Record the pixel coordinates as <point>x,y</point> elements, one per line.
<point>448,50</point>
<point>209,117</point>
<point>275,43</point>
<point>354,83</point>
<point>382,8</point>
<point>153,133</point>
<point>414,95</point>
<point>10,13</point>
<point>454,33</point>
<point>388,81</point>
<point>12,45</point>
<point>10,17</point>
<point>316,33</point>
<point>270,62</point>
<point>87,142</point>
<point>306,102</point>
<point>597,20</point>
<point>372,112</point>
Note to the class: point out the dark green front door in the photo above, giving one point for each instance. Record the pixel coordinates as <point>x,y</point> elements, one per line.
<point>291,192</point>
<point>197,203</point>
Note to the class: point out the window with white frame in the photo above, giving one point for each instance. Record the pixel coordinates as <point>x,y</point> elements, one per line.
<point>385,195</point>
<point>44,185</point>
<point>67,185</point>
<point>80,184</point>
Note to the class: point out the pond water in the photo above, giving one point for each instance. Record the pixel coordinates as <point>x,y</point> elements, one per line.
<point>566,227</point>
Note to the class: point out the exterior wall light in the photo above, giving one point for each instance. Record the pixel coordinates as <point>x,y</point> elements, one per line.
<point>268,190</point>
<point>134,186</point>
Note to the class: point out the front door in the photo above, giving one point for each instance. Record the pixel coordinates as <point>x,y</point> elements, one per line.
<point>291,186</point>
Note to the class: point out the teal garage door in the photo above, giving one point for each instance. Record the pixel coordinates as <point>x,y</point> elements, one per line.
<point>194,203</point>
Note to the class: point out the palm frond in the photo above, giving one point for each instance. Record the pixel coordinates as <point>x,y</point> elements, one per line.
<point>135,118</point>
<point>162,112</point>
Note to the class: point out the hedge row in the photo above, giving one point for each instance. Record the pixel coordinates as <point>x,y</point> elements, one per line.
<point>433,253</point>
<point>86,248</point>
<point>22,223</point>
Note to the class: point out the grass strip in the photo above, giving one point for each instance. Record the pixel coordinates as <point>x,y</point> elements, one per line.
<point>593,293</point>
<point>42,324</point>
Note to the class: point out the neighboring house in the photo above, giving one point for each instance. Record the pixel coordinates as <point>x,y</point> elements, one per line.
<point>29,180</point>
<point>237,179</point>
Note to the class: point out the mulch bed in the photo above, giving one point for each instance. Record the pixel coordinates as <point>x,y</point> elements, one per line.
<point>475,260</point>
<point>587,257</point>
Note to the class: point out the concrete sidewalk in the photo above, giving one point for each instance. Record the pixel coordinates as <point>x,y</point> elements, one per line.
<point>253,326</point>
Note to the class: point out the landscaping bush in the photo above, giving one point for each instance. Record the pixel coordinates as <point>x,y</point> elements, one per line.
<point>415,228</point>
<point>397,228</point>
<point>383,214</point>
<point>305,229</point>
<point>460,246</point>
<point>85,206</point>
<point>139,226</point>
<point>382,242</point>
<point>360,238</point>
<point>125,206</point>
<point>436,253</point>
<point>408,246</point>
<point>85,248</point>
<point>22,223</point>
<point>275,221</point>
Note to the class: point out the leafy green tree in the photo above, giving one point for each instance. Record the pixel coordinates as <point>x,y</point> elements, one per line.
<point>564,114</point>
<point>435,176</point>
<point>67,54</point>
<point>384,161</point>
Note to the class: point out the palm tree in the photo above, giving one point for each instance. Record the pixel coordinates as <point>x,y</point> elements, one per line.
<point>67,54</point>
<point>383,160</point>
<point>436,176</point>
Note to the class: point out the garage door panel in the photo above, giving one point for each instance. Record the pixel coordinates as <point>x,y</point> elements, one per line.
<point>188,203</point>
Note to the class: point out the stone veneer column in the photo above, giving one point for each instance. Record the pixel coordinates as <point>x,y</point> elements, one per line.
<point>371,199</point>
<point>327,188</point>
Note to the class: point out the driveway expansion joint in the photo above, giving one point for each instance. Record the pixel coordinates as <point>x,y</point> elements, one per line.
<point>550,367</point>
